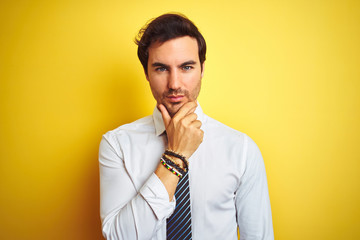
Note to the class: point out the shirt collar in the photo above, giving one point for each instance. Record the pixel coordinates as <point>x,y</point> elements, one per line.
<point>159,123</point>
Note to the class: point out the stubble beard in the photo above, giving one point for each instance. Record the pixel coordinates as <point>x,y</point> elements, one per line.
<point>173,108</point>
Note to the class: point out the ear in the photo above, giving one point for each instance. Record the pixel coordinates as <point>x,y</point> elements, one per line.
<point>203,68</point>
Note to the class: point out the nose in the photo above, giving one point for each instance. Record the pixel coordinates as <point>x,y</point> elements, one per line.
<point>174,81</point>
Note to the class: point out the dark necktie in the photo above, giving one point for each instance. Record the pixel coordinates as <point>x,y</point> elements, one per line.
<point>179,223</point>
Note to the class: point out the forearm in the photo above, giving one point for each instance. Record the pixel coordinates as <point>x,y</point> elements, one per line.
<point>169,180</point>
<point>129,210</point>
<point>126,222</point>
<point>141,216</point>
<point>171,168</point>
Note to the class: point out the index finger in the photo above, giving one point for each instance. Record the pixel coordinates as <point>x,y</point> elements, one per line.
<point>165,115</point>
<point>187,108</point>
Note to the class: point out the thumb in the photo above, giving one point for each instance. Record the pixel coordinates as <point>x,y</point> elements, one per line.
<point>165,115</point>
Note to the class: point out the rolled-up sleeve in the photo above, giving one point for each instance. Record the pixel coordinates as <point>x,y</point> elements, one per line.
<point>127,213</point>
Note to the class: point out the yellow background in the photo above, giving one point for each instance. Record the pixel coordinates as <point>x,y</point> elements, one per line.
<point>287,73</point>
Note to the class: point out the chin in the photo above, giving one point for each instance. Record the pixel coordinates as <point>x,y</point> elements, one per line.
<point>173,108</point>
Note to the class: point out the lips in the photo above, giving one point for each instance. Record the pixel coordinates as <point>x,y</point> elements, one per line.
<point>175,98</point>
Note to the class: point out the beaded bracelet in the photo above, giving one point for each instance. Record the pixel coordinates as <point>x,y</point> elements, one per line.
<point>179,156</point>
<point>178,171</point>
<point>173,164</point>
<point>170,168</point>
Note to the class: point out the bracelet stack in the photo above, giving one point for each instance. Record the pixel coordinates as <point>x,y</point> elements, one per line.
<point>172,166</point>
<point>179,156</point>
<point>171,169</point>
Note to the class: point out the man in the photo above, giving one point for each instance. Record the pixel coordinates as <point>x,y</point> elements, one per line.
<point>179,174</point>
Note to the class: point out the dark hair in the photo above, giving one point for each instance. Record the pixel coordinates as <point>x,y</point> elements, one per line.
<point>164,28</point>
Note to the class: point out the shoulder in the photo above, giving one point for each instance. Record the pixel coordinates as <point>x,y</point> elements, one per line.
<point>124,133</point>
<point>142,125</point>
<point>219,130</point>
<point>233,138</point>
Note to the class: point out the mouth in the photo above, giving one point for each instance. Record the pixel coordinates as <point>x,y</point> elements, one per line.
<point>175,98</point>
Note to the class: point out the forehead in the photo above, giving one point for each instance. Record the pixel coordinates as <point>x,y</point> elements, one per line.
<point>175,51</point>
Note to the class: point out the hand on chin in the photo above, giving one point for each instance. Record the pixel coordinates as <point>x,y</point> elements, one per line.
<point>173,108</point>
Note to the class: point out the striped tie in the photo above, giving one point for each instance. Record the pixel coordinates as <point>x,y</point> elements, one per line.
<point>179,223</point>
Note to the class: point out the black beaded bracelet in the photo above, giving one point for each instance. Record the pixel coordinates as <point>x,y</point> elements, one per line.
<point>184,168</point>
<point>172,164</point>
<point>179,156</point>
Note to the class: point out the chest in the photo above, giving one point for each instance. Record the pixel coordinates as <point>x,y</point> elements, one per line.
<point>214,179</point>
<point>214,170</point>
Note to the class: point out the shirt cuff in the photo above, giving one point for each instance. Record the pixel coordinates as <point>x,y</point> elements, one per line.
<point>156,195</point>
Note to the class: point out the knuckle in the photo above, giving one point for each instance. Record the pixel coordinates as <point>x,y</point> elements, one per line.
<point>202,136</point>
<point>182,122</point>
<point>191,115</point>
<point>197,124</point>
<point>175,119</point>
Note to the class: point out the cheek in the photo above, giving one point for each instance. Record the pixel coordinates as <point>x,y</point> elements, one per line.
<point>194,83</point>
<point>156,87</point>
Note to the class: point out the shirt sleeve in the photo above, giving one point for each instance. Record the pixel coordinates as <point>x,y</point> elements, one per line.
<point>125,212</point>
<point>252,197</point>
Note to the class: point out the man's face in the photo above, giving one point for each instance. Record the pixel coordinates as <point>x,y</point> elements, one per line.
<point>174,72</point>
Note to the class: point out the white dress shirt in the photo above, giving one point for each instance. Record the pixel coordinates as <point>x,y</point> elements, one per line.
<point>228,186</point>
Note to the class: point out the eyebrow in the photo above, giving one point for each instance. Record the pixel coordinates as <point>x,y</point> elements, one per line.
<point>191,62</point>
<point>159,64</point>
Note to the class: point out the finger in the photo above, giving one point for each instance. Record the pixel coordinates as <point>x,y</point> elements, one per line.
<point>188,119</point>
<point>187,108</point>
<point>196,124</point>
<point>202,135</point>
<point>165,115</point>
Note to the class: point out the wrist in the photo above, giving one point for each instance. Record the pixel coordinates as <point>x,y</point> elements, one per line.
<point>177,152</point>
<point>178,157</point>
<point>172,168</point>
<point>176,161</point>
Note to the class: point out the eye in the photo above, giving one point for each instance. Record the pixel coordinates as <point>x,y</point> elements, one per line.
<point>187,68</point>
<point>160,69</point>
